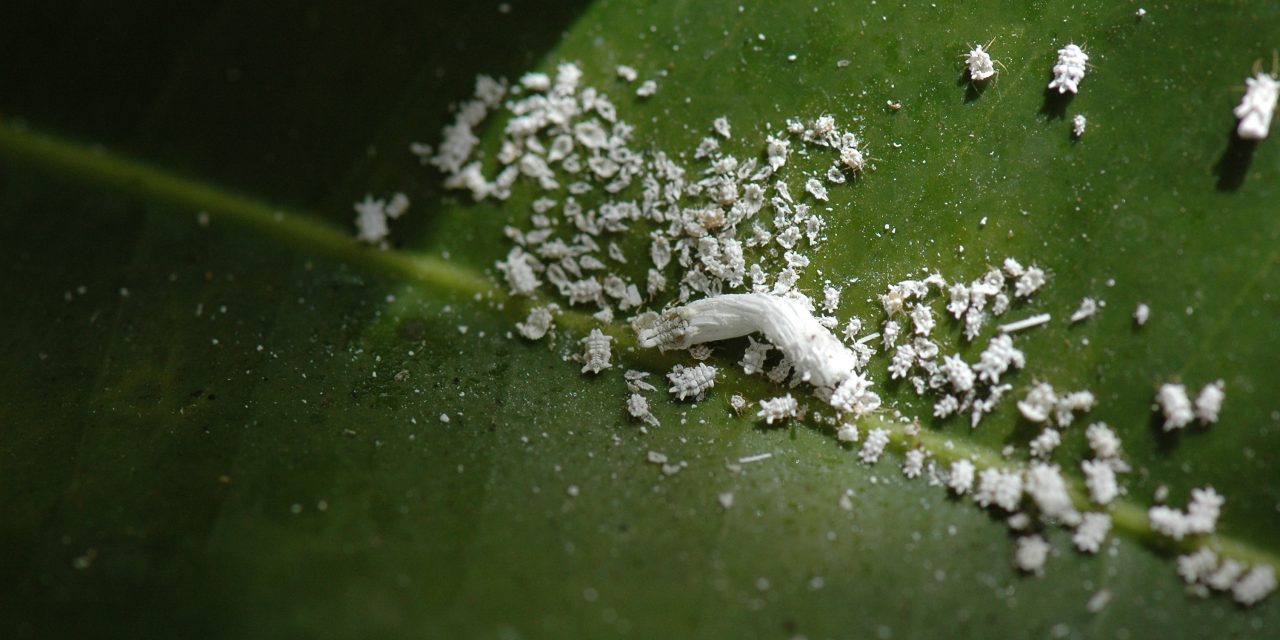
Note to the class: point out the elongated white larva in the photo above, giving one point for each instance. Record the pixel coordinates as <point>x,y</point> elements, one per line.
<point>1257,106</point>
<point>817,355</point>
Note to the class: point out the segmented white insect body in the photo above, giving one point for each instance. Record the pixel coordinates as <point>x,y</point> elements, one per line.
<point>816,354</point>
<point>1069,70</point>
<point>980,64</point>
<point>691,381</point>
<point>779,408</point>
<point>1257,106</point>
<point>596,357</point>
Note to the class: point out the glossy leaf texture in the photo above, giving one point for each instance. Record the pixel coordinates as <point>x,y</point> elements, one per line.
<point>234,429</point>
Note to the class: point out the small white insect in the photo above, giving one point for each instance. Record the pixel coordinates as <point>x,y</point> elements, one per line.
<point>1045,485</point>
<point>691,381</point>
<point>647,89</point>
<point>847,433</point>
<point>1000,488</point>
<point>913,465</point>
<point>1044,444</point>
<point>1031,553</point>
<point>596,357</point>
<point>1092,532</point>
<point>627,73</point>
<point>1257,106</point>
<point>1175,405</point>
<point>638,407</point>
<point>1069,70</point>
<point>1102,440</point>
<point>961,477</point>
<point>980,64</point>
<point>777,409</point>
<point>537,324</point>
<point>1141,314</point>
<point>1255,585</point>
<point>873,446</point>
<point>1209,402</point>
<point>1100,478</point>
<point>1078,123</point>
<point>1088,307</point>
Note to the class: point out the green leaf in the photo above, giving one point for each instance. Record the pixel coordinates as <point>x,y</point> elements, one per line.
<point>234,430</point>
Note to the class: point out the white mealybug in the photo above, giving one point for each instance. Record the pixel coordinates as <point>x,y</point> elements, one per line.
<point>596,357</point>
<point>1209,402</point>
<point>1092,532</point>
<point>1175,405</point>
<point>1078,124</point>
<point>1069,70</point>
<point>981,66</point>
<point>1257,106</point>
<point>913,466</point>
<point>1031,553</point>
<point>691,381</point>
<point>537,324</point>
<point>779,408</point>
<point>961,477</point>
<point>639,409</point>
<point>873,446</point>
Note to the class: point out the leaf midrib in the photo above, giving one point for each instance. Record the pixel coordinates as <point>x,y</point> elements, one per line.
<point>95,164</point>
